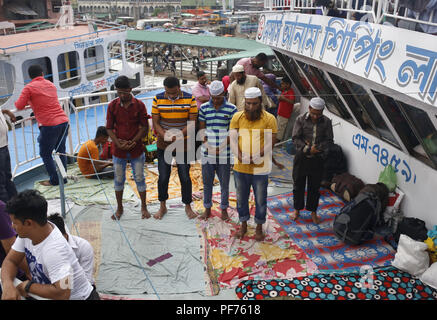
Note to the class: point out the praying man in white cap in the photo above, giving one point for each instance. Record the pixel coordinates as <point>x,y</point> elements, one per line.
<point>214,119</point>
<point>242,82</point>
<point>253,134</point>
<point>312,135</point>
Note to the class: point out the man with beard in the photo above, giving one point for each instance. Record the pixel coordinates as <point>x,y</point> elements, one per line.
<point>253,134</point>
<point>312,135</point>
<point>126,124</point>
<point>252,67</point>
<point>240,84</point>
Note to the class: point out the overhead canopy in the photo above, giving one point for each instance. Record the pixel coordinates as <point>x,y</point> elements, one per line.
<point>195,40</point>
<point>20,8</point>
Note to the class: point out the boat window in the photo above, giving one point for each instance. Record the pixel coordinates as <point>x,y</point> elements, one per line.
<point>326,91</point>
<point>375,118</point>
<point>133,52</point>
<point>425,130</point>
<point>69,69</point>
<point>7,81</point>
<point>45,64</point>
<point>94,62</point>
<point>295,74</point>
<point>115,56</point>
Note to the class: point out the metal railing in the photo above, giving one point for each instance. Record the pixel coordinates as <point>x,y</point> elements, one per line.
<point>375,11</point>
<point>23,145</point>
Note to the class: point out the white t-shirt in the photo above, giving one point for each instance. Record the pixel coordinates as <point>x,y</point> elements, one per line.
<point>52,260</point>
<point>84,253</point>
<point>3,131</point>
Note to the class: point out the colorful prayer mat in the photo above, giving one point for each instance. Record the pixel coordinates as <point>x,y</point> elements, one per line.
<point>319,241</point>
<point>229,260</point>
<point>386,283</point>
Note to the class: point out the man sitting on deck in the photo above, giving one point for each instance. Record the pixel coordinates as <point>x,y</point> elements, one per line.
<point>89,150</point>
<point>56,272</point>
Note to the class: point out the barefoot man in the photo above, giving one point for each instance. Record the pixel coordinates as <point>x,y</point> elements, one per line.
<point>215,117</point>
<point>173,110</point>
<point>126,124</point>
<point>253,134</point>
<point>312,134</point>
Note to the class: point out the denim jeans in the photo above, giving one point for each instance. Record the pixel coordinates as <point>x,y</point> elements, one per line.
<point>223,173</point>
<point>120,172</point>
<point>7,186</point>
<point>164,170</point>
<point>259,183</point>
<point>52,138</point>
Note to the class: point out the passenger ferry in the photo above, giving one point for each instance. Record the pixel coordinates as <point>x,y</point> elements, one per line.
<point>378,81</point>
<point>378,77</point>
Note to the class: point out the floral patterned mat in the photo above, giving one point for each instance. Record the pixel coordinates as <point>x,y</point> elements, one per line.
<point>229,260</point>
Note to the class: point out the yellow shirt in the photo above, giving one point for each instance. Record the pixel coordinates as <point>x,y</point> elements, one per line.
<point>251,140</point>
<point>85,166</point>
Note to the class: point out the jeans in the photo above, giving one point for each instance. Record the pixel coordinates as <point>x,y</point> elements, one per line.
<point>52,138</point>
<point>259,183</point>
<point>164,170</point>
<point>208,173</point>
<point>7,186</point>
<point>120,172</point>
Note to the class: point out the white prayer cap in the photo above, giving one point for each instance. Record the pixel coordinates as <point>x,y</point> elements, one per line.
<point>252,92</point>
<point>238,68</point>
<point>216,88</point>
<point>317,103</point>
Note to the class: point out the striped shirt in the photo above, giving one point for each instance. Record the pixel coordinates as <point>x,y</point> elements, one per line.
<point>217,126</point>
<point>174,114</point>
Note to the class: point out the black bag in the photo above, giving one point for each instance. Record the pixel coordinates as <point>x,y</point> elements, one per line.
<point>357,220</point>
<point>412,227</point>
<point>334,162</point>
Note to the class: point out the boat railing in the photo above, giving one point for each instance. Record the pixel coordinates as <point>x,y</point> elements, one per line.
<point>23,144</point>
<point>28,46</point>
<point>375,11</point>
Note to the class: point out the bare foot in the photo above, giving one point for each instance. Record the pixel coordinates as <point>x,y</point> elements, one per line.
<point>162,211</point>
<point>295,215</point>
<point>315,218</point>
<point>145,214</point>
<point>240,234</point>
<point>118,214</point>
<point>206,214</point>
<point>225,216</point>
<point>190,213</point>
<point>259,235</point>
<point>45,183</point>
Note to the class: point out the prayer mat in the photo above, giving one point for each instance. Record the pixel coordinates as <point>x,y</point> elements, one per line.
<point>83,191</point>
<point>319,241</point>
<point>229,260</point>
<point>385,283</point>
<point>174,185</point>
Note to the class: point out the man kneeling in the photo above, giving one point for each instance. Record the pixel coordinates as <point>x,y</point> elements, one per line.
<point>90,150</point>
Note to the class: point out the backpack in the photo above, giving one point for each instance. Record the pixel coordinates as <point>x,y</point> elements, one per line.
<point>357,220</point>
<point>346,185</point>
<point>334,162</point>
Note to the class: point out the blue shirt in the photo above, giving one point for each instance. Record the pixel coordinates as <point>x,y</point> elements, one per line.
<point>217,125</point>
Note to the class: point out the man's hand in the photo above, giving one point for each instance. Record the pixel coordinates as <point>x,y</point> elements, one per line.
<point>11,293</point>
<point>314,150</point>
<point>10,114</point>
<point>20,288</point>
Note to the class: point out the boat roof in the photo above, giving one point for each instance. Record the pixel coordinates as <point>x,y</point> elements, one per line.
<point>46,38</point>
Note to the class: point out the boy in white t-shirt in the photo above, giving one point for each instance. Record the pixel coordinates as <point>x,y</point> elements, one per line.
<point>82,249</point>
<point>56,272</point>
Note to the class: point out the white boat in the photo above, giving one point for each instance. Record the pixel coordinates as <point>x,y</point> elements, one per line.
<point>78,59</point>
<point>379,81</point>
